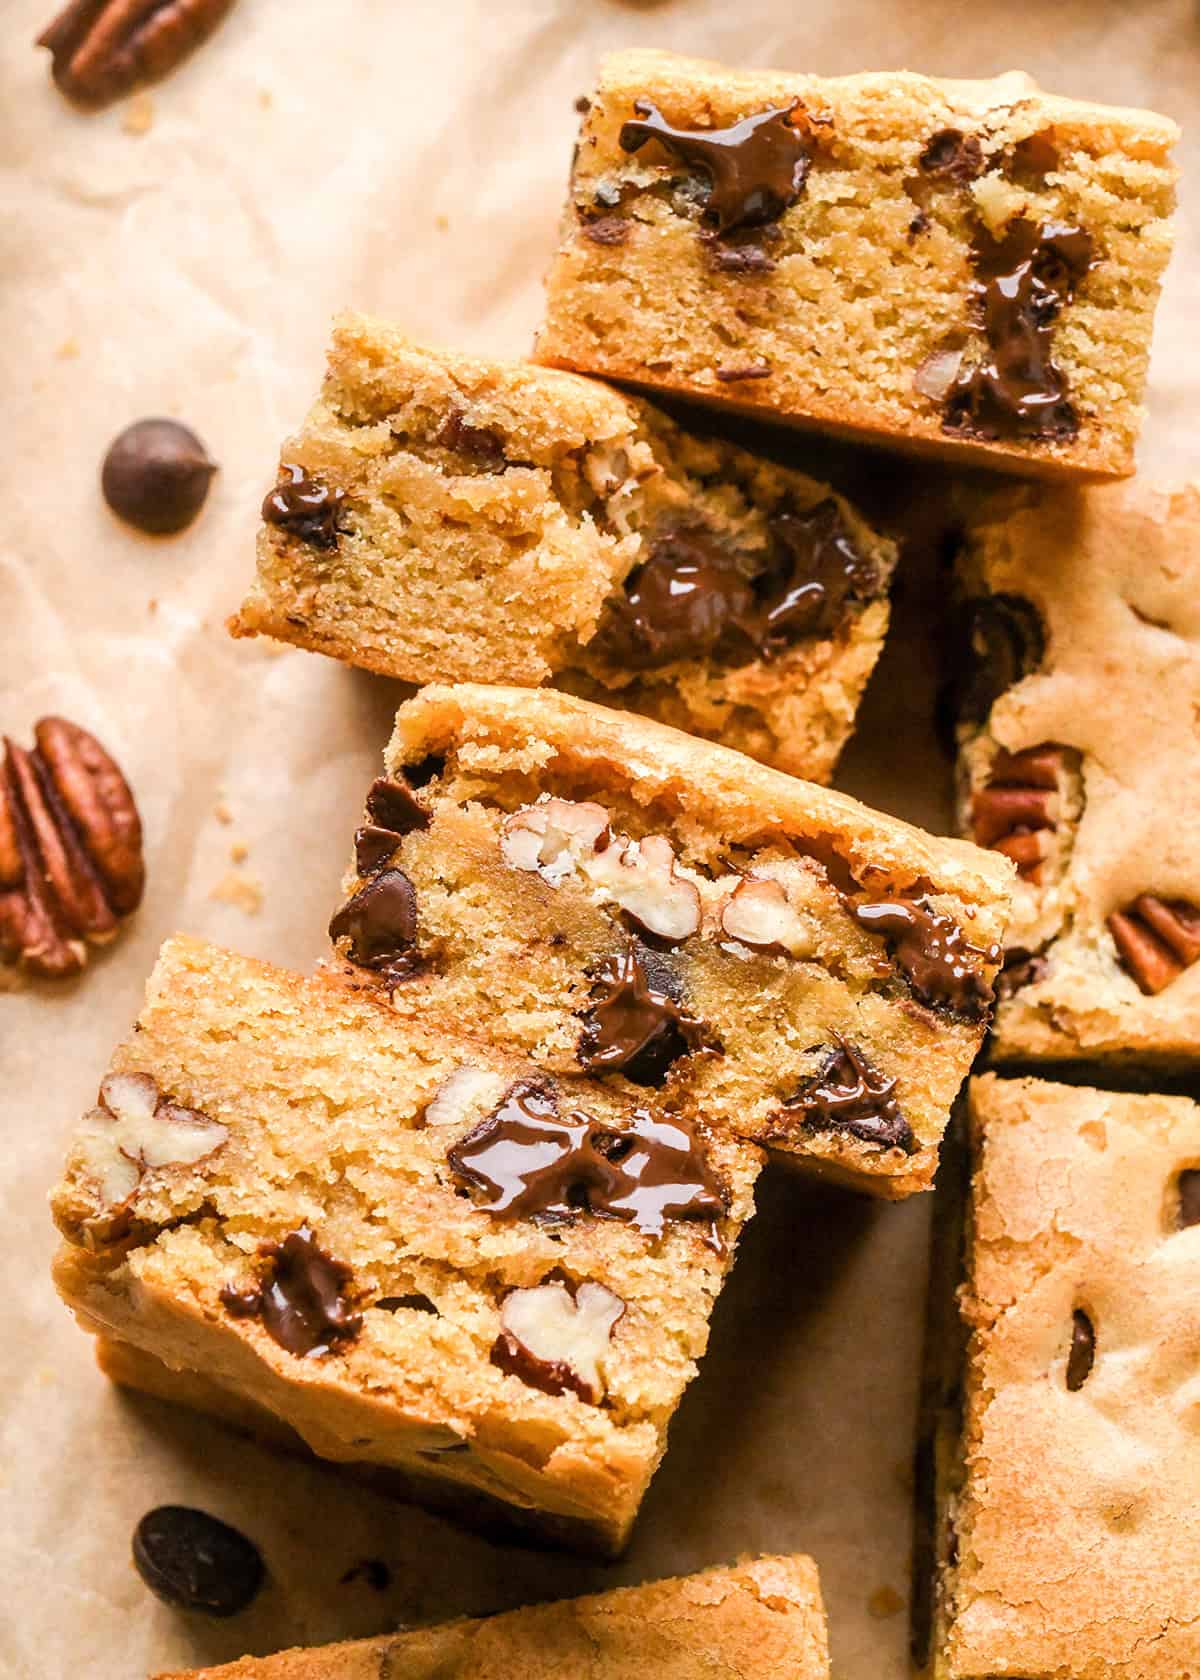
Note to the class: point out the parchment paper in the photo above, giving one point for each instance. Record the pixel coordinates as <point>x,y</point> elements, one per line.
<point>183,254</point>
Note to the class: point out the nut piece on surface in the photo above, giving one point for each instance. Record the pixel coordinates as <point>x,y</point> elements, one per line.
<point>135,1130</point>
<point>642,878</point>
<point>102,49</point>
<point>464,1095</point>
<point>757,913</point>
<point>552,836</point>
<point>70,849</point>
<point>555,1342</point>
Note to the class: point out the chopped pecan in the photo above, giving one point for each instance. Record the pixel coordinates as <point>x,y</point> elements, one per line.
<point>1018,810</point>
<point>1156,939</point>
<point>102,49</point>
<point>70,849</point>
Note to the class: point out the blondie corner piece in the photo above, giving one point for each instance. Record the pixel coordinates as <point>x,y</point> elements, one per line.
<point>288,1211</point>
<point>1067,1508</point>
<point>1077,706</point>
<point>444,518</point>
<point>763,1618</point>
<point>965,269</point>
<point>608,895</point>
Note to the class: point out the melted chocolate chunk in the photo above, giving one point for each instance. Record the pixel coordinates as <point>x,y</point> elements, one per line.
<point>1023,282</point>
<point>392,805</point>
<point>480,444</point>
<point>156,476</point>
<point>374,848</point>
<point>305,507</point>
<point>531,1163</point>
<point>755,169</point>
<point>549,1376</point>
<point>940,963</point>
<point>300,1297</point>
<point>632,1027</point>
<point>380,922</point>
<point>194,1562</point>
<point>951,155</point>
<point>1083,1351</point>
<point>849,1095</point>
<point>814,575</point>
<point>1189,1198</point>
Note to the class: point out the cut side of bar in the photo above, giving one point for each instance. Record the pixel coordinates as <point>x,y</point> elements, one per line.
<point>963,269</point>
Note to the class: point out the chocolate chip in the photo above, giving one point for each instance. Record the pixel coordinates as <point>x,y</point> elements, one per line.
<point>194,1562</point>
<point>607,230</point>
<point>1083,1351</point>
<point>739,253</point>
<point>951,155</point>
<point>374,848</point>
<point>405,1303</point>
<point>755,169</point>
<point>849,1095</point>
<point>531,1163</point>
<point>1023,281</point>
<point>300,1296</point>
<point>1189,1198</point>
<point>380,922</point>
<point>391,804</point>
<point>631,1027</point>
<point>305,507</point>
<point>918,225</point>
<point>373,1572</point>
<point>939,962</point>
<point>156,475</point>
<point>480,444</point>
<point>679,602</point>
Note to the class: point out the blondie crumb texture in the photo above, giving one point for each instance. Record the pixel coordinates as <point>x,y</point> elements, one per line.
<point>460,519</point>
<point>1077,1544</point>
<point>763,1617</point>
<point>600,892</point>
<point>345,1227</point>
<point>968,269</point>
<point>1078,713</point>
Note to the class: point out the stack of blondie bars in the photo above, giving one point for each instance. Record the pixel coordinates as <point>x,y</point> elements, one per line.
<point>456,1209</point>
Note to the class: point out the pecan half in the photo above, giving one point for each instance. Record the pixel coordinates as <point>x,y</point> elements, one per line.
<point>1018,810</point>
<point>1156,939</point>
<point>70,849</point>
<point>102,49</point>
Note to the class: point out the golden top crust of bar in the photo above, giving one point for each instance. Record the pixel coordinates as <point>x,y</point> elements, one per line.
<point>1078,1532</point>
<point>762,1617</point>
<point>860,297</point>
<point>1114,577</point>
<point>321,1104</point>
<point>695,785</point>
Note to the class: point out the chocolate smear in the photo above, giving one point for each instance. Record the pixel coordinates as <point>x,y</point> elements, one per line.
<point>939,962</point>
<point>305,507</point>
<point>300,1296</point>
<point>632,1026</point>
<point>1023,281</point>
<point>195,1562</point>
<point>849,1095</point>
<point>756,169</point>
<point>1083,1351</point>
<point>530,1162</point>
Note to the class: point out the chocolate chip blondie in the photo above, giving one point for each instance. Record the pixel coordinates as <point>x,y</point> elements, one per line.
<point>402,1250</point>
<point>1077,702</point>
<point>966,269</point>
<point>606,895</point>
<point>1067,1488</point>
<point>763,1617</point>
<point>442,517</point>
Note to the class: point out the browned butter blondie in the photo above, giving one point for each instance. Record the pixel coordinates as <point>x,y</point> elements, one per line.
<point>1067,1487</point>
<point>604,894</point>
<point>763,1618</point>
<point>401,1250</point>
<point>442,517</point>
<point>968,269</point>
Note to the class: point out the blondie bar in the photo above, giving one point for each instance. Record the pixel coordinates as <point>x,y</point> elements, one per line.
<point>406,1252</point>
<point>1066,1524</point>
<point>763,1617</point>
<point>608,895</point>
<point>1078,710</point>
<point>966,269</point>
<point>445,518</point>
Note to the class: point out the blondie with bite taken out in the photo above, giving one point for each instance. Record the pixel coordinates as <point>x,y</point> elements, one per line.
<point>610,897</point>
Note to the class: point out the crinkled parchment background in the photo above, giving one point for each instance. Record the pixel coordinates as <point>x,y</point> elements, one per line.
<point>183,254</point>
